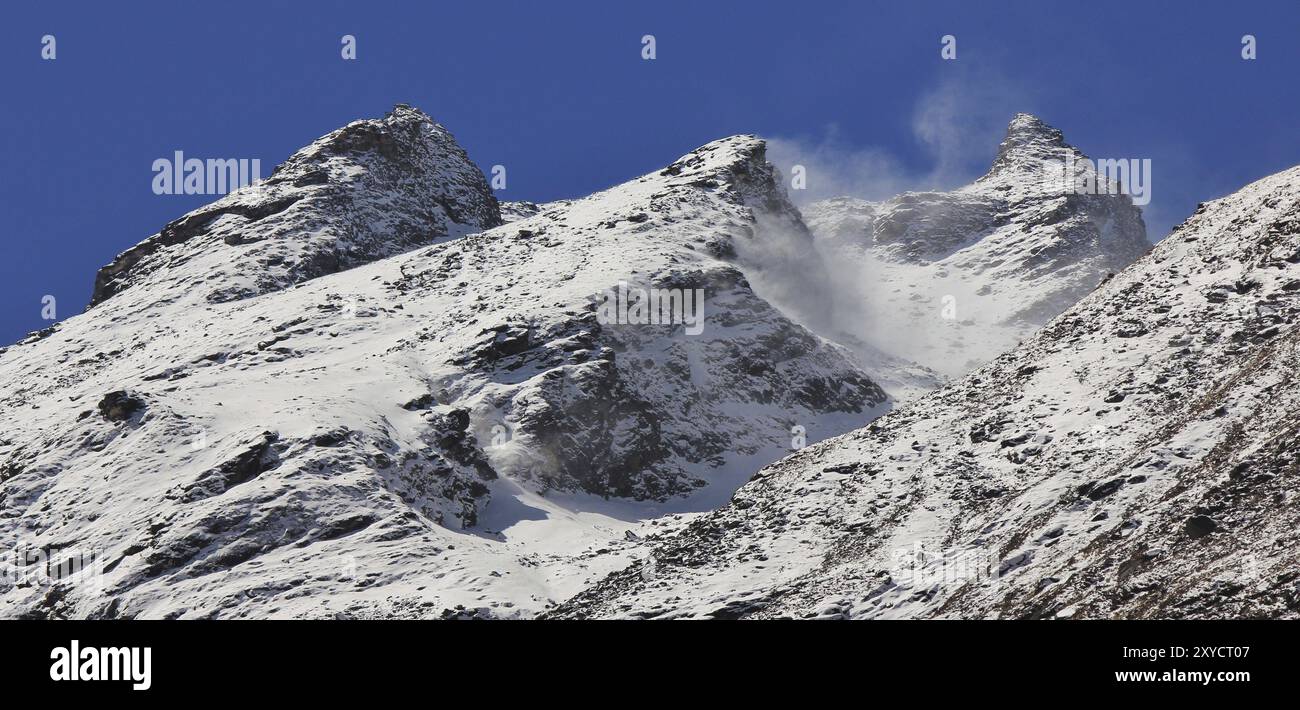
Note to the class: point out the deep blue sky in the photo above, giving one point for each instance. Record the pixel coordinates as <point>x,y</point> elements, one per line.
<point>558,92</point>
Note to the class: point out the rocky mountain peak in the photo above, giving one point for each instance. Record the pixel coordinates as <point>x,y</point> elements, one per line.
<point>406,139</point>
<point>1027,125</point>
<point>740,163</point>
<point>1028,142</point>
<point>1005,254</point>
<point>369,190</point>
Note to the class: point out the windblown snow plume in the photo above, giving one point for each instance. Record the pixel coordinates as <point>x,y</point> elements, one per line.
<point>950,280</point>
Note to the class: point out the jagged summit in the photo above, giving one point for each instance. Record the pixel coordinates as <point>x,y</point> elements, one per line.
<point>407,139</point>
<point>1025,124</point>
<point>952,279</point>
<point>722,155</point>
<point>1029,142</point>
<point>371,189</point>
<point>1027,129</point>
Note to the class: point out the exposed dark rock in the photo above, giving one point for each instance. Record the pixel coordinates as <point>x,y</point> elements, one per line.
<point>121,405</point>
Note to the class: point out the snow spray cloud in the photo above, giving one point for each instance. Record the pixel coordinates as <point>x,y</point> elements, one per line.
<point>829,167</point>
<point>514,452</point>
<point>959,123</point>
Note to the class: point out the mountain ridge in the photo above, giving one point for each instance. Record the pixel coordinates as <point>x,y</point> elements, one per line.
<point>444,430</point>
<point>1134,459</point>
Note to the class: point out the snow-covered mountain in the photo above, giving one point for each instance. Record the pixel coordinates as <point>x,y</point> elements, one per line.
<point>1137,457</point>
<point>358,388</point>
<point>950,280</point>
<point>369,190</point>
<point>364,387</point>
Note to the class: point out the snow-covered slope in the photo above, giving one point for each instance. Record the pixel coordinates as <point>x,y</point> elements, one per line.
<point>243,425</point>
<point>950,280</point>
<point>1137,457</point>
